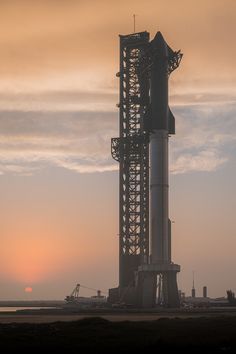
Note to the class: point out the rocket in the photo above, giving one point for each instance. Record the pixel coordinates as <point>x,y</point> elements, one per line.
<point>161,124</point>
<point>161,115</point>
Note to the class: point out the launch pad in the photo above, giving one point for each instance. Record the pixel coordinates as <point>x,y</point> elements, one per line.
<point>147,276</point>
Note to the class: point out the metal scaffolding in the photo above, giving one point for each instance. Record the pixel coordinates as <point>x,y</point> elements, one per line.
<point>132,151</point>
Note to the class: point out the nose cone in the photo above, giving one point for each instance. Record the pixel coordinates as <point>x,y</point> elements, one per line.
<point>160,46</point>
<point>159,39</point>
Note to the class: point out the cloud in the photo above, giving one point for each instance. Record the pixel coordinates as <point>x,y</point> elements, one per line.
<point>59,100</point>
<point>81,167</point>
<point>205,137</point>
<point>80,141</point>
<point>197,97</point>
<point>207,161</point>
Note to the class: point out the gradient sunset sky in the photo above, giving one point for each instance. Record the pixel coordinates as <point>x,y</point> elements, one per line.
<point>58,182</point>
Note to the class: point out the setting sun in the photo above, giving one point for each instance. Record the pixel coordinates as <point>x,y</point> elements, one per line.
<point>28,289</point>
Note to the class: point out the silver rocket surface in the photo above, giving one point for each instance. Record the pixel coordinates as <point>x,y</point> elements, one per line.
<point>162,124</point>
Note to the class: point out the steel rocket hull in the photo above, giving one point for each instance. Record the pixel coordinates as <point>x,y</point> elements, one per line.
<point>162,124</point>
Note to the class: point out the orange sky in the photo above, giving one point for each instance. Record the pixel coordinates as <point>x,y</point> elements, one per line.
<point>58,183</point>
<point>46,43</point>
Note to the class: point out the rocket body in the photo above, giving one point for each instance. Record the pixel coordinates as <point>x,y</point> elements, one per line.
<point>162,124</point>
<point>159,190</point>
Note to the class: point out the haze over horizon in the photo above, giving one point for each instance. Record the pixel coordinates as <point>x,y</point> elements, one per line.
<point>58,182</point>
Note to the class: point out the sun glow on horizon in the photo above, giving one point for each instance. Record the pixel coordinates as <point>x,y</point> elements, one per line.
<point>28,289</point>
<point>38,252</point>
<point>31,260</point>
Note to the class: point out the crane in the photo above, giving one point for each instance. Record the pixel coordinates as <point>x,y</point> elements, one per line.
<point>74,296</point>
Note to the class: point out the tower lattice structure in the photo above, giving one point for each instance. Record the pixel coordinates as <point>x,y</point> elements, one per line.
<point>131,150</point>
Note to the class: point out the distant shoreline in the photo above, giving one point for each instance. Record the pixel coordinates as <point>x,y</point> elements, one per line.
<point>32,303</point>
<point>43,315</point>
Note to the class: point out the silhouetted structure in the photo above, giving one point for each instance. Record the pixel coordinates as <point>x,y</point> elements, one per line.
<point>193,288</point>
<point>131,150</point>
<point>204,291</point>
<point>145,124</point>
<point>231,298</point>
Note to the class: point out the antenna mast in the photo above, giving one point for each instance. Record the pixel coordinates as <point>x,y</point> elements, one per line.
<point>134,16</point>
<point>193,289</point>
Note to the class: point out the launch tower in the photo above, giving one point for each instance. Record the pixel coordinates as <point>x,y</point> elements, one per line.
<point>147,275</point>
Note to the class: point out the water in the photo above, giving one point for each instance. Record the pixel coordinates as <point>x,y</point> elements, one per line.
<point>14,309</point>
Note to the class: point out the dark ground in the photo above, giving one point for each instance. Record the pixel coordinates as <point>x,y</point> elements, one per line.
<point>98,335</point>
